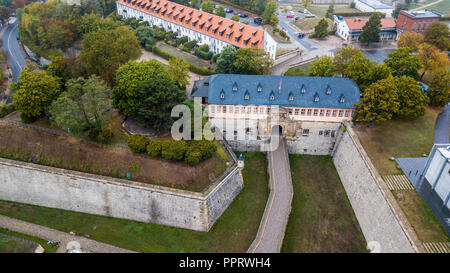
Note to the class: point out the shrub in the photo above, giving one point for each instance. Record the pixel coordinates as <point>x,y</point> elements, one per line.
<point>105,136</point>
<point>206,148</point>
<point>185,48</point>
<point>190,44</point>
<point>154,148</point>
<point>93,134</point>
<point>6,109</point>
<point>26,118</point>
<point>204,48</point>
<point>182,40</point>
<point>174,150</point>
<point>193,156</point>
<point>203,54</point>
<point>215,57</point>
<point>201,70</point>
<point>138,143</point>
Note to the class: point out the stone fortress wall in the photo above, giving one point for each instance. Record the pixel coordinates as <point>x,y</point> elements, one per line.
<point>69,190</point>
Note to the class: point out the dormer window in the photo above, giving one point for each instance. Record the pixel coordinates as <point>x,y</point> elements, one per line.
<point>222,94</point>
<point>272,96</point>
<point>220,22</point>
<point>259,87</point>
<point>254,33</point>
<point>291,96</point>
<point>190,13</point>
<point>246,95</point>
<point>241,28</point>
<point>342,98</point>
<point>316,98</point>
<point>303,90</point>
<point>328,90</point>
<point>209,19</point>
<point>188,20</point>
<point>231,25</point>
<point>235,87</point>
<point>201,25</point>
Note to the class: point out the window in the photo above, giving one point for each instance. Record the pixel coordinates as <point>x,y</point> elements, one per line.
<point>333,133</point>
<point>213,108</point>
<point>249,110</point>
<point>236,110</point>
<point>327,133</point>
<point>259,88</point>
<point>328,91</point>
<point>321,112</point>
<point>231,109</point>
<point>291,97</point>
<point>261,109</point>
<point>309,112</point>
<point>320,132</point>
<point>341,113</point>
<point>224,109</point>
<point>246,95</point>
<point>334,113</point>
<point>296,112</point>
<point>272,97</point>
<point>235,87</point>
<point>316,98</point>
<point>305,132</point>
<point>328,113</point>
<point>347,113</point>
<point>218,109</point>
<point>268,110</point>
<point>303,90</point>
<point>255,110</point>
<point>222,95</point>
<point>290,111</point>
<point>303,112</point>
<point>316,112</point>
<point>242,110</point>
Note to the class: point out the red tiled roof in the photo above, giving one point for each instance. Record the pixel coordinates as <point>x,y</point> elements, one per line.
<point>237,28</point>
<point>359,23</point>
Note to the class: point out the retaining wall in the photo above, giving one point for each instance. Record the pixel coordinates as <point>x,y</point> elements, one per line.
<point>381,222</point>
<point>57,188</point>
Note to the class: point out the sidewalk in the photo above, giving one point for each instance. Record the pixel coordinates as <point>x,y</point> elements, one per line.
<point>63,238</point>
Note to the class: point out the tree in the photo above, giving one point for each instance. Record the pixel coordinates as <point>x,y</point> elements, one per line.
<point>195,4</point>
<point>371,30</point>
<point>439,91</point>
<point>6,3</point>
<point>306,3</point>
<point>321,29</point>
<point>342,57</point>
<point>128,76</point>
<point>323,67</point>
<point>403,63</point>
<point>330,12</point>
<point>274,21</point>
<point>437,34</point>
<point>410,39</point>
<point>226,60</point>
<point>67,68</point>
<point>179,71</point>
<point>5,12</point>
<point>235,18</point>
<point>378,72</point>
<point>431,58</point>
<point>34,92</point>
<point>269,11</point>
<point>208,6</point>
<point>84,105</point>
<point>105,50</point>
<point>380,101</point>
<point>398,8</point>
<point>220,11</point>
<point>253,61</point>
<point>412,100</point>
<point>358,69</point>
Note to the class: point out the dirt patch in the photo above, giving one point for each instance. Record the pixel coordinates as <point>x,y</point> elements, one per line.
<point>75,154</point>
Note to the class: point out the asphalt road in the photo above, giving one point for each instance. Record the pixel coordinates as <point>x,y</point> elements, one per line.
<point>441,127</point>
<point>15,53</point>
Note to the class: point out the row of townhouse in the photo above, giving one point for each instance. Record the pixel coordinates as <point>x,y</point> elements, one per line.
<point>215,31</point>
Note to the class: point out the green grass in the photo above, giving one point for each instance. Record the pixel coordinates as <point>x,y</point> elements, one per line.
<point>322,219</point>
<point>233,232</point>
<point>420,217</point>
<point>398,138</point>
<point>221,152</point>
<point>184,55</point>
<point>23,247</point>
<point>301,70</point>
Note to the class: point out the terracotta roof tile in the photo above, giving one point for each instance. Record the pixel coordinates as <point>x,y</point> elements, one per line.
<point>237,29</point>
<point>359,23</point>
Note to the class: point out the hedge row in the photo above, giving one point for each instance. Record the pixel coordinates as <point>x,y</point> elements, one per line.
<point>174,150</point>
<point>193,68</point>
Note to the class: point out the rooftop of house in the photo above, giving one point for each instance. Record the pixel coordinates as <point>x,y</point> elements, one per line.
<point>230,31</point>
<point>354,24</point>
<point>426,13</point>
<point>288,91</point>
<point>376,4</point>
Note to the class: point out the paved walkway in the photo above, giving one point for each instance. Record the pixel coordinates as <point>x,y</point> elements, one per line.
<point>63,238</point>
<point>442,126</point>
<point>273,224</point>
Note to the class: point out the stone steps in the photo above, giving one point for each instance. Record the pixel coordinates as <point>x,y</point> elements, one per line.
<point>398,182</point>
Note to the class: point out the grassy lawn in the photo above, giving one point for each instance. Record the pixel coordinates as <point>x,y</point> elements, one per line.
<point>72,153</point>
<point>322,219</point>
<point>233,232</point>
<point>398,138</point>
<point>308,24</point>
<point>17,246</point>
<point>184,55</point>
<point>301,70</point>
<point>276,36</point>
<point>420,217</point>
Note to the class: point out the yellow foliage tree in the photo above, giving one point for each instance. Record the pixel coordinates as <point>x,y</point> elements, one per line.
<point>431,58</point>
<point>410,39</point>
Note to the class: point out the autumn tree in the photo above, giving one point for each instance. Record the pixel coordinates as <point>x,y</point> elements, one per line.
<point>269,11</point>
<point>412,100</point>
<point>5,12</point>
<point>104,51</point>
<point>371,30</point>
<point>84,105</point>
<point>358,69</point>
<point>380,101</point>
<point>437,34</point>
<point>253,61</point>
<point>342,57</point>
<point>432,59</point>
<point>410,39</point>
<point>439,89</point>
<point>403,63</point>
<point>179,71</point>
<point>34,92</point>
<point>323,67</point>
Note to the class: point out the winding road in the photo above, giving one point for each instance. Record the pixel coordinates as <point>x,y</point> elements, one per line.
<point>15,53</point>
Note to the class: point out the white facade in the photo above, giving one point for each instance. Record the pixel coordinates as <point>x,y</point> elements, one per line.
<point>342,29</point>
<point>215,45</point>
<point>374,6</point>
<point>438,174</point>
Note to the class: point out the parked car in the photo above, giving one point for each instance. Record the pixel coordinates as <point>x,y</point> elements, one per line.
<point>227,10</point>
<point>289,16</point>
<point>243,15</point>
<point>258,20</point>
<point>300,35</point>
